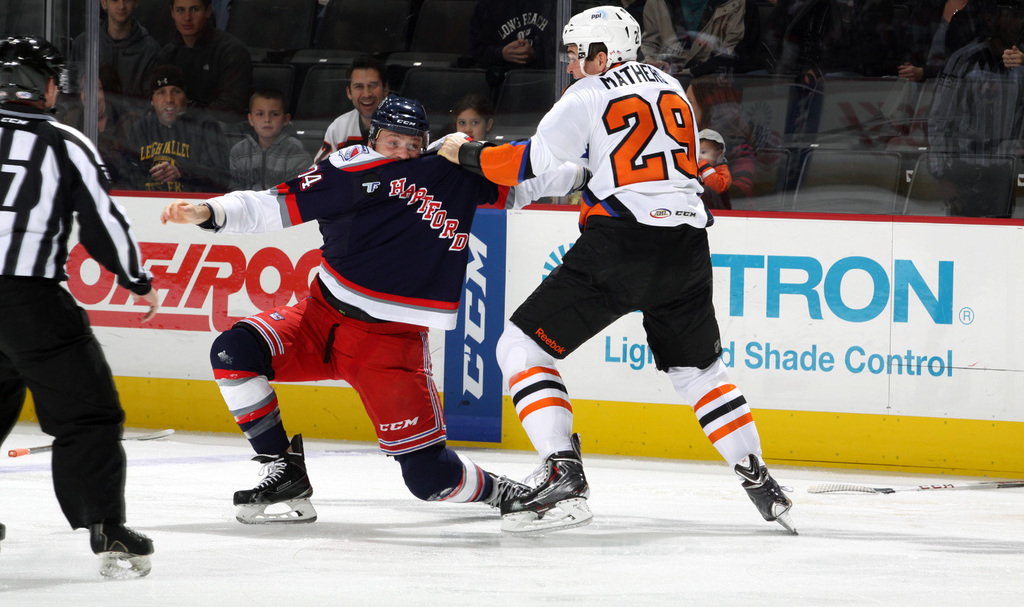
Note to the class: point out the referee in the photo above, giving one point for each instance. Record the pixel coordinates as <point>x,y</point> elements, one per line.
<point>48,173</point>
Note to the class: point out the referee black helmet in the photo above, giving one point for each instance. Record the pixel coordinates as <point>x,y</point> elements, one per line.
<point>26,66</point>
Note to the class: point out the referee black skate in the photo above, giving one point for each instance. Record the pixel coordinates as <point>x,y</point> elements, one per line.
<point>48,174</point>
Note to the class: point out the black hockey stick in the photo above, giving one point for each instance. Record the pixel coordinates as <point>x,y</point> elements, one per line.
<point>41,449</point>
<point>846,488</point>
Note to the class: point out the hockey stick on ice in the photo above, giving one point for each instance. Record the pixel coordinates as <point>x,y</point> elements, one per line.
<point>844,488</point>
<point>43,448</point>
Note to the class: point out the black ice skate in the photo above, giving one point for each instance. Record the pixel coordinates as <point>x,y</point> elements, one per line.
<point>285,485</point>
<point>505,489</point>
<point>124,553</point>
<point>765,492</point>
<point>558,502</point>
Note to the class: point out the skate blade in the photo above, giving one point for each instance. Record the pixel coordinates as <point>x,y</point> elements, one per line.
<point>298,511</point>
<point>786,521</point>
<point>123,566</point>
<point>566,514</point>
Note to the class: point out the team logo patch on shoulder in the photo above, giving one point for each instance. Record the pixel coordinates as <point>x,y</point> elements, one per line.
<point>351,152</point>
<point>276,316</point>
<point>661,213</point>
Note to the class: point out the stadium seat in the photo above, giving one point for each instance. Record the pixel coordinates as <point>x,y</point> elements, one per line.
<point>440,35</point>
<point>276,76</point>
<point>260,24</point>
<point>928,193</point>
<point>322,96</point>
<point>845,181</point>
<point>367,26</point>
<point>525,96</point>
<point>439,88</point>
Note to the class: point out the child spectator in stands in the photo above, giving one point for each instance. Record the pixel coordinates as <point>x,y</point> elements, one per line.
<point>172,151</point>
<point>366,88</point>
<point>474,116</point>
<point>713,170</point>
<point>268,156</point>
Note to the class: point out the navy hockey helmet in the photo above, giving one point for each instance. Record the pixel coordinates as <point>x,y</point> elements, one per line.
<point>26,65</point>
<point>401,115</point>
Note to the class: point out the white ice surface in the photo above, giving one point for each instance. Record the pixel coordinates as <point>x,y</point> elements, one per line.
<point>665,532</point>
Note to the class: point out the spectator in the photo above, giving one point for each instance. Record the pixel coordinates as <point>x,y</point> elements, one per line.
<point>976,114</point>
<point>703,37</point>
<point>513,34</point>
<point>268,156</point>
<point>366,89</point>
<point>172,151</point>
<point>713,170</point>
<point>925,37</point>
<point>124,44</point>
<point>114,119</point>
<point>474,116</point>
<point>216,64</point>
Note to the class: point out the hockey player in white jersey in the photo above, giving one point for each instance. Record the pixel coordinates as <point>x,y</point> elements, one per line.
<point>643,247</point>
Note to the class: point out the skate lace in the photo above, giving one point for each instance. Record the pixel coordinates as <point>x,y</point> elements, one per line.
<point>273,471</point>
<point>507,489</point>
<point>538,476</point>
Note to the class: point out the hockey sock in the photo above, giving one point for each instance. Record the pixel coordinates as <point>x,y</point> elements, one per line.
<point>437,473</point>
<point>238,362</point>
<point>538,392</point>
<point>720,408</point>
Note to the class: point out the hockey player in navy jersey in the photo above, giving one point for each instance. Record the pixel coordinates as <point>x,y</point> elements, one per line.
<point>644,247</point>
<point>395,226</point>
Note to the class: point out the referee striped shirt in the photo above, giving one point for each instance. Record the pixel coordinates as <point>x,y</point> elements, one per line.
<point>48,174</point>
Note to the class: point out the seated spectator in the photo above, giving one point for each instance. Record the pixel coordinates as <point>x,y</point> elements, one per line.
<point>925,38</point>
<point>268,156</point>
<point>703,37</point>
<point>713,170</point>
<point>474,116</point>
<point>113,118</point>
<point>124,44</point>
<point>976,114</point>
<point>513,34</point>
<point>217,65</point>
<point>172,151</point>
<point>366,89</point>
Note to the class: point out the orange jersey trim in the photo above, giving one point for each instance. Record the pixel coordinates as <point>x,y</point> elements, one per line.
<point>505,164</point>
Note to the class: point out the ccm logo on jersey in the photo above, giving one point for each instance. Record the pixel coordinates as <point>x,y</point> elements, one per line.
<point>393,427</point>
<point>432,211</point>
<point>663,213</point>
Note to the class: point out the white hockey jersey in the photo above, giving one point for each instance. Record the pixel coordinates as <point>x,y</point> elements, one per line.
<point>634,129</point>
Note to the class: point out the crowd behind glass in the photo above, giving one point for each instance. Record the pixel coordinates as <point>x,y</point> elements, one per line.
<point>859,106</point>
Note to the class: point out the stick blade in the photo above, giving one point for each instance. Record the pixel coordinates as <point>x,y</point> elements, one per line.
<point>845,488</point>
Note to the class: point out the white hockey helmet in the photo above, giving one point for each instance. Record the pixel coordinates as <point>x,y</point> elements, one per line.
<point>612,25</point>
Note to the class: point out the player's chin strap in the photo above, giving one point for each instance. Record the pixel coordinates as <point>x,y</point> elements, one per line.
<point>469,155</point>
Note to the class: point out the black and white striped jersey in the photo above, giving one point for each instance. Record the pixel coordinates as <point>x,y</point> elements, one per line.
<point>50,173</point>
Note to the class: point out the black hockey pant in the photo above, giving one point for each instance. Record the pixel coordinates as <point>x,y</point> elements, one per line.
<point>46,344</point>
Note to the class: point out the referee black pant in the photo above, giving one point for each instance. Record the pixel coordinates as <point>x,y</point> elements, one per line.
<point>46,344</point>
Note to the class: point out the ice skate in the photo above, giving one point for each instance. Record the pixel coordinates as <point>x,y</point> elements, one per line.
<point>558,502</point>
<point>124,553</point>
<point>285,487</point>
<point>505,489</point>
<point>765,492</point>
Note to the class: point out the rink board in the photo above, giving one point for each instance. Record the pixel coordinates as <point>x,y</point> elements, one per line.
<point>869,343</point>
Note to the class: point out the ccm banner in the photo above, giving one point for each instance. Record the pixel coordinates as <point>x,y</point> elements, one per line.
<point>472,380</point>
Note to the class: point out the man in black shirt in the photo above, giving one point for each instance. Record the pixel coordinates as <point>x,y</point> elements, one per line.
<point>48,174</point>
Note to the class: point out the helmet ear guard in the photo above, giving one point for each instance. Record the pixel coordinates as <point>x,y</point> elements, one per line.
<point>611,25</point>
<point>400,115</point>
<point>26,66</point>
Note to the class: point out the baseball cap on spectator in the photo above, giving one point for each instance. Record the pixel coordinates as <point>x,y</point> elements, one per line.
<point>713,136</point>
<point>166,75</point>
